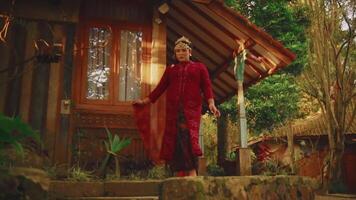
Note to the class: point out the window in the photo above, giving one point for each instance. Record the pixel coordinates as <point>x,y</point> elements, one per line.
<point>130,65</point>
<point>112,63</point>
<point>98,65</point>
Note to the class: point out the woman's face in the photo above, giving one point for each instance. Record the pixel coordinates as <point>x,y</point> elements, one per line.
<point>182,54</point>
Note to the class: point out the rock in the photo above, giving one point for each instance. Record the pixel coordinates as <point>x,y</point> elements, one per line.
<point>240,187</point>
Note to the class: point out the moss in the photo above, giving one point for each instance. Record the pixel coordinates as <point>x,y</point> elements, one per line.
<point>199,193</point>
<point>253,182</point>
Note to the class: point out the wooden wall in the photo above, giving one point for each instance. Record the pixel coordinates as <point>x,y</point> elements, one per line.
<point>34,90</point>
<point>30,89</point>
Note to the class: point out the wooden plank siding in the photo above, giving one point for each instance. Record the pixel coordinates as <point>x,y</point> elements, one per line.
<point>40,82</point>
<point>4,63</point>
<point>25,99</point>
<point>16,45</point>
<point>35,93</point>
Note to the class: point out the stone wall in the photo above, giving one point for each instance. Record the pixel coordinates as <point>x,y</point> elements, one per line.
<point>240,188</point>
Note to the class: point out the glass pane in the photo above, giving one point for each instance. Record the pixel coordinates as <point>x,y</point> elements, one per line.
<point>99,51</point>
<point>130,65</point>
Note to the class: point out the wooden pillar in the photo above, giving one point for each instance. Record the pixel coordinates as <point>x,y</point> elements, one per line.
<point>243,161</point>
<point>157,68</point>
<point>244,154</point>
<point>290,138</point>
<point>62,150</point>
<point>222,138</point>
<point>54,92</point>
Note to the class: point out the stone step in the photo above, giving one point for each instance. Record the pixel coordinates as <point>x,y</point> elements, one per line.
<point>335,197</point>
<point>113,198</point>
<point>131,189</point>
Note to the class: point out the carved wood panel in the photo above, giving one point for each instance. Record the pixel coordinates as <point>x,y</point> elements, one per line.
<point>97,120</point>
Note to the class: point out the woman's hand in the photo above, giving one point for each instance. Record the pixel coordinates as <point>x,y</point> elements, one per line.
<point>213,108</point>
<point>141,102</point>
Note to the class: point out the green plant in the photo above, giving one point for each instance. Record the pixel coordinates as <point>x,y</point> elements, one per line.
<point>13,131</point>
<point>113,146</point>
<point>215,170</point>
<point>272,167</point>
<point>78,174</point>
<point>157,172</point>
<point>231,156</point>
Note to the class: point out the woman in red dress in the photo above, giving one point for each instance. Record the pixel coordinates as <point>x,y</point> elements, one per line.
<point>184,82</point>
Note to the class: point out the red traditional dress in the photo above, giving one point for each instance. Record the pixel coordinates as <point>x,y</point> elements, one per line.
<point>184,84</point>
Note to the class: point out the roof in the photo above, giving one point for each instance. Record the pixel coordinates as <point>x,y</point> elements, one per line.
<point>315,125</point>
<point>213,29</point>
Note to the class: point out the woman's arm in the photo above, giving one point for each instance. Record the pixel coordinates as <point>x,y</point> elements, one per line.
<point>208,92</point>
<point>157,92</point>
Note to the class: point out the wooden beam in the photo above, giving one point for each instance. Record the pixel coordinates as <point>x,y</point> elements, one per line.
<point>252,31</point>
<point>194,48</point>
<point>253,66</point>
<point>196,39</point>
<point>220,87</point>
<point>202,27</point>
<point>202,1</point>
<point>248,44</point>
<point>212,20</point>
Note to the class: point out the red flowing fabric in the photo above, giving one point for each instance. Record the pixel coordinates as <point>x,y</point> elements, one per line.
<point>143,122</point>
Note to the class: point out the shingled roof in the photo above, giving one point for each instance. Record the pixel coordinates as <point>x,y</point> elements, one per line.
<point>315,125</point>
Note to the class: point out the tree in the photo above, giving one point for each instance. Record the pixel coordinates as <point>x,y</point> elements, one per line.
<point>330,74</point>
<point>284,20</point>
<point>270,103</point>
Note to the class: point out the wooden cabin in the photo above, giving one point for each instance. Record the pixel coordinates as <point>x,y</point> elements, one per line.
<point>72,67</point>
<point>310,146</point>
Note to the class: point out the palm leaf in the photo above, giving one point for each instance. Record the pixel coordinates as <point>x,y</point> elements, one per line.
<point>109,136</point>
<point>18,148</point>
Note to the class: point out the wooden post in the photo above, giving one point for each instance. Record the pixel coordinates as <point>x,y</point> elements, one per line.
<point>222,138</point>
<point>244,155</point>
<point>290,138</point>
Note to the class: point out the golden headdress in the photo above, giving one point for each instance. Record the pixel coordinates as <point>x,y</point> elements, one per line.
<point>183,43</point>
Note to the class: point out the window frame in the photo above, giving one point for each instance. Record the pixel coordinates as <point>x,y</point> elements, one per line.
<point>112,104</point>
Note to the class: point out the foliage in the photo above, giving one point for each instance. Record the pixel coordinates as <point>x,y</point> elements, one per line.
<point>330,74</point>
<point>268,104</point>
<point>78,174</point>
<point>13,131</point>
<point>284,20</point>
<point>272,167</point>
<point>210,138</point>
<point>157,172</point>
<point>113,146</point>
<point>215,170</point>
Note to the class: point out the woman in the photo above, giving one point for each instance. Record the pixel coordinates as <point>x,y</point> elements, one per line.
<point>184,83</point>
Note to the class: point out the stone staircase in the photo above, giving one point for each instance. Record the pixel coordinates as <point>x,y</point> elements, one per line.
<point>113,190</point>
<point>114,198</point>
